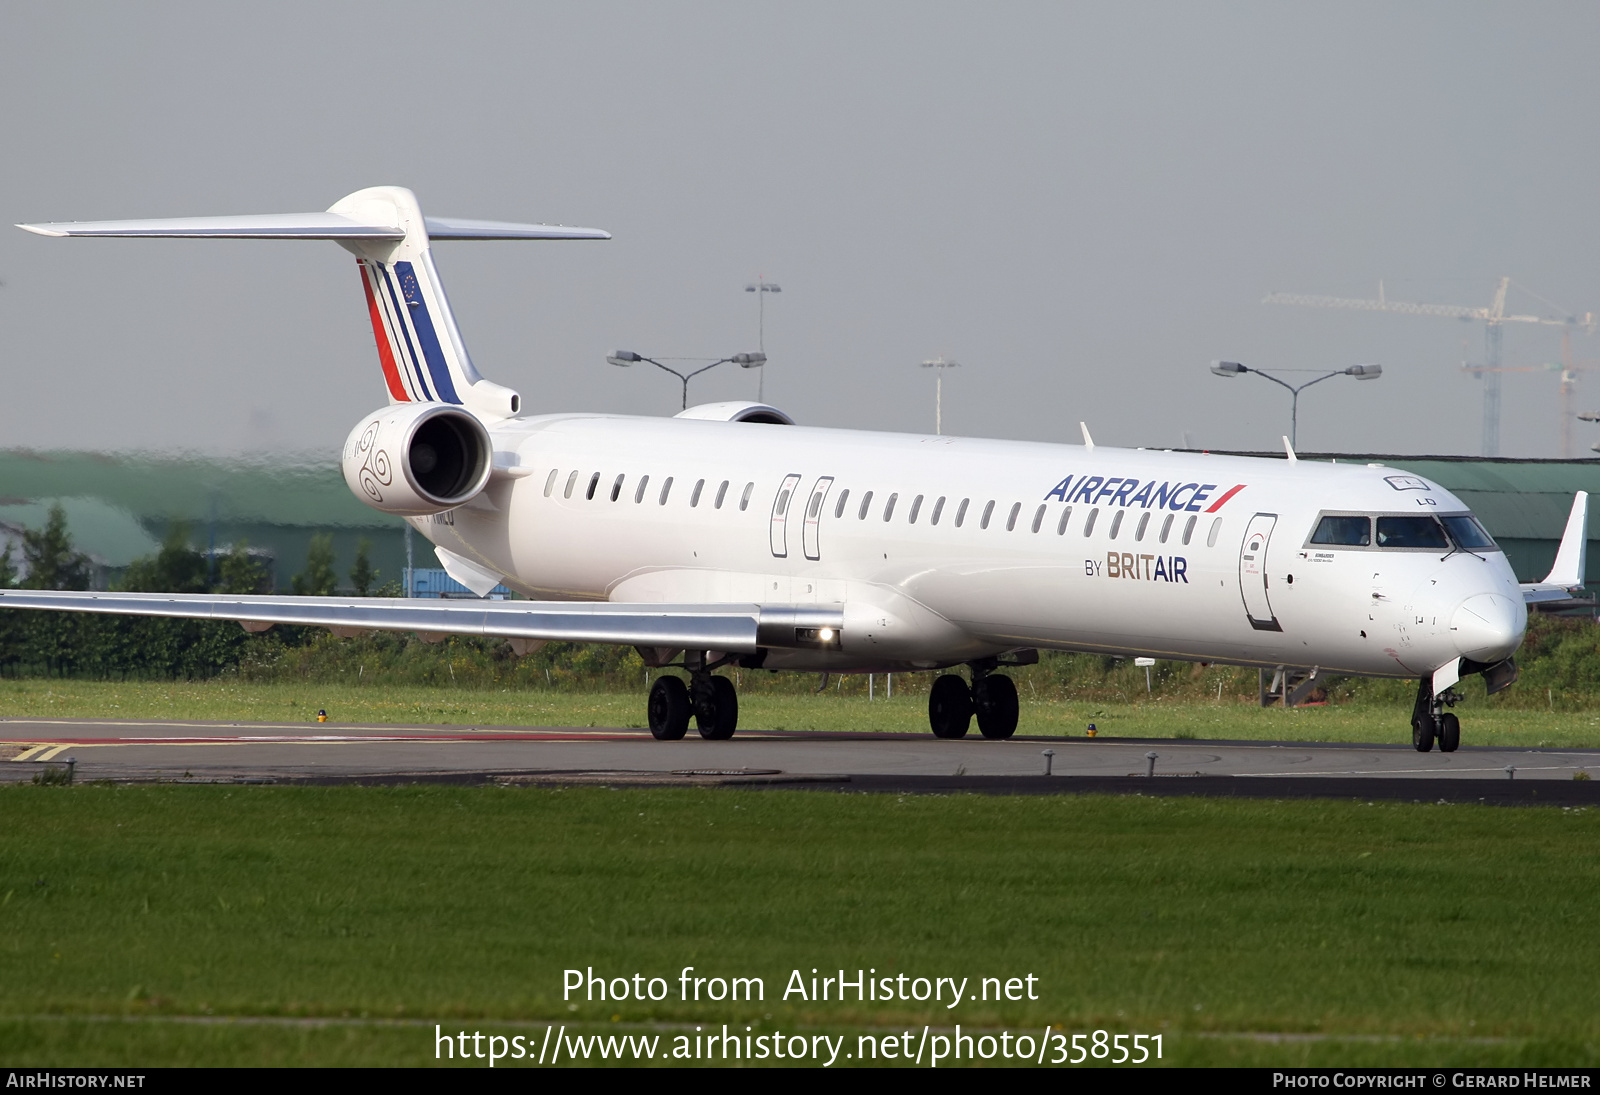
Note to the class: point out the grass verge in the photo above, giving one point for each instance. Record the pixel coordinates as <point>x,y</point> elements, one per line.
<point>1380,933</point>
<point>228,700</point>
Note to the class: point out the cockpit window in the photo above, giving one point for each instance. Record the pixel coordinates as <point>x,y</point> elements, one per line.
<point>1343,531</point>
<point>1411,532</point>
<point>1468,534</point>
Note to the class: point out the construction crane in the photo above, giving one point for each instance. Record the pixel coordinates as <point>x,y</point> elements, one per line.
<point>1494,318</point>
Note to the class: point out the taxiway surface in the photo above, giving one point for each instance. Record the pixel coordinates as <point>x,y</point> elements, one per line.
<point>209,751</point>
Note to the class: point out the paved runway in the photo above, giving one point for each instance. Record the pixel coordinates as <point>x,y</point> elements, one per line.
<point>255,752</point>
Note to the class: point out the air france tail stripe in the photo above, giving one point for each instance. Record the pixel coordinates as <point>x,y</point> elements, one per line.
<point>1215,506</point>
<point>400,326</point>
<point>425,333</point>
<point>391,372</point>
<point>396,328</point>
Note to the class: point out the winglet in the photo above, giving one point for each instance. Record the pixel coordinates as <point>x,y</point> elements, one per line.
<point>1572,556</point>
<point>1288,448</point>
<point>1088,442</point>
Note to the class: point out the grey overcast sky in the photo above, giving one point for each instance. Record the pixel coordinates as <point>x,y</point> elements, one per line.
<point>1082,203</point>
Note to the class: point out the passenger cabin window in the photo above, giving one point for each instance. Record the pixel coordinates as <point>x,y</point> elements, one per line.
<point>1038,518</point>
<point>1466,532</point>
<point>1338,531</point>
<point>988,512</point>
<point>550,483</point>
<point>1211,537</point>
<point>816,505</point>
<point>1011,518</point>
<point>1144,522</point>
<point>722,492</point>
<point>961,512</point>
<point>866,504</point>
<point>783,502</point>
<point>1088,522</point>
<point>1066,515</point>
<point>666,489</point>
<point>744,499</point>
<point>694,495</point>
<point>916,508</point>
<point>1166,528</point>
<point>1116,523</point>
<point>888,507</point>
<point>594,481</point>
<point>638,493</point>
<point>938,508</point>
<point>572,481</point>
<point>1411,532</point>
<point>616,488</point>
<point>1188,530</point>
<point>844,496</point>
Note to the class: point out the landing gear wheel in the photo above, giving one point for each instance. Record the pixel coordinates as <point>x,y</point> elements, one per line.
<point>668,709</point>
<point>716,708</point>
<point>995,699</point>
<point>949,707</point>
<point>1422,731</point>
<point>1449,733</point>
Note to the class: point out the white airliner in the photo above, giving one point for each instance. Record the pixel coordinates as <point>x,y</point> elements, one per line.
<point>728,535</point>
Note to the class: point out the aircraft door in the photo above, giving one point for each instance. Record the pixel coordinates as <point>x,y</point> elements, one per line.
<point>1253,572</point>
<point>780,516</point>
<point>819,494</point>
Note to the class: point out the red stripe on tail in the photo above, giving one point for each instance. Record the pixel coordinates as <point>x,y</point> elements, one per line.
<point>391,373</point>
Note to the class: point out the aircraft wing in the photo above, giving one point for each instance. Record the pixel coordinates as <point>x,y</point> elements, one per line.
<point>1567,575</point>
<point>731,628</point>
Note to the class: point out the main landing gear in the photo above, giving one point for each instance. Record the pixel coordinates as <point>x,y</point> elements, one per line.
<point>710,699</point>
<point>992,697</point>
<point>1430,721</point>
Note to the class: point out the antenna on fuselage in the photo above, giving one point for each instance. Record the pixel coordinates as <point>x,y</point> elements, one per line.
<point>1088,442</point>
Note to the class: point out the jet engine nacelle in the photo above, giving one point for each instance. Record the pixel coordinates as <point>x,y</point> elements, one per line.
<point>414,459</point>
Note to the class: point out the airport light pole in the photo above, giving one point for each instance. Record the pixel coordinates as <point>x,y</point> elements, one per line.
<point>761,287</point>
<point>1360,372</point>
<point>626,358</point>
<point>939,365</point>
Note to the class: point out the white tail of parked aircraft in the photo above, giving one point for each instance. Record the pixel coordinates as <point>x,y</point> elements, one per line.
<point>726,535</point>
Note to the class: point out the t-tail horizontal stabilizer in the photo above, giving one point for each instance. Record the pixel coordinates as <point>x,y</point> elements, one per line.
<point>420,348</point>
<point>1569,573</point>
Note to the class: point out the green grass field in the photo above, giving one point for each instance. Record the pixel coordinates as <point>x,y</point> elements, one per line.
<point>216,925</point>
<point>229,700</point>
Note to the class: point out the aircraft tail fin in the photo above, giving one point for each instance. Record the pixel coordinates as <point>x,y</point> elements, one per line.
<point>420,349</point>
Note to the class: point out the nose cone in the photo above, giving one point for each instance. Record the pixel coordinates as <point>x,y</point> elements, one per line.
<point>1488,627</point>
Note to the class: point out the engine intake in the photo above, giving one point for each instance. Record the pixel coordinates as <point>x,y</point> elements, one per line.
<point>416,459</point>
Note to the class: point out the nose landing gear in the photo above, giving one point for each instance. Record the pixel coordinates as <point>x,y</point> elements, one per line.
<point>1430,721</point>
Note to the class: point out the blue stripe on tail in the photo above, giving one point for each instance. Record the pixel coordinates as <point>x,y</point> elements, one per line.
<point>405,333</point>
<point>425,333</point>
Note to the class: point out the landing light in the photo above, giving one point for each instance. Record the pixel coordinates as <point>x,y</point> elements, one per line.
<point>826,635</point>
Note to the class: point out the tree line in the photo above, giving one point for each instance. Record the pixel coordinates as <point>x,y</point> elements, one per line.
<point>88,644</point>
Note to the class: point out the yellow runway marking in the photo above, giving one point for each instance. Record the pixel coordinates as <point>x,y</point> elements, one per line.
<point>28,753</point>
<point>53,752</point>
